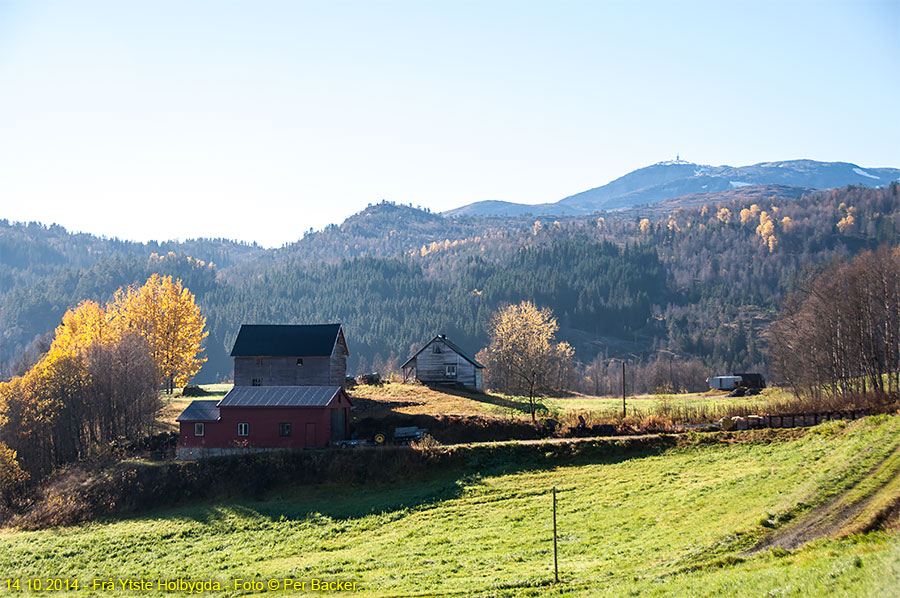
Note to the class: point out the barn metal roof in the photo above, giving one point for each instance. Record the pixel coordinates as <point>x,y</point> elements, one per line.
<point>279,396</point>
<point>280,340</point>
<point>200,411</point>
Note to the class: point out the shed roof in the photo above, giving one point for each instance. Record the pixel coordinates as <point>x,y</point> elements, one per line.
<point>449,343</point>
<point>200,411</point>
<point>280,396</point>
<point>280,340</point>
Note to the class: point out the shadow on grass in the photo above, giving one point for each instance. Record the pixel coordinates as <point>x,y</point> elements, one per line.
<point>398,494</point>
<point>522,406</point>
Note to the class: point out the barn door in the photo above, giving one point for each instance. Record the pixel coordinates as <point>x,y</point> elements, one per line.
<point>310,435</point>
<point>338,424</point>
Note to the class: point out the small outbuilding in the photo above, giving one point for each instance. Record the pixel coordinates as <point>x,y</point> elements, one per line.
<point>442,362</point>
<point>264,418</point>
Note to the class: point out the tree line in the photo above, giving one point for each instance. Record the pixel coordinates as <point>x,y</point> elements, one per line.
<point>840,334</point>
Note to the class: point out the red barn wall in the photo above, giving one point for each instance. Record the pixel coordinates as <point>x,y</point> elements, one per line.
<point>264,423</point>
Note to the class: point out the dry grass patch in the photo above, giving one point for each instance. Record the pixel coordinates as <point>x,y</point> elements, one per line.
<point>416,399</point>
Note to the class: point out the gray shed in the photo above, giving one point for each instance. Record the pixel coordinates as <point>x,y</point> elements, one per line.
<point>442,362</point>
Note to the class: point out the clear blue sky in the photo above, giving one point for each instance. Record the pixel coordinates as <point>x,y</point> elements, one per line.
<point>257,120</point>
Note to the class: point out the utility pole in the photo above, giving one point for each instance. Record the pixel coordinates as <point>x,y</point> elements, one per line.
<point>555,561</point>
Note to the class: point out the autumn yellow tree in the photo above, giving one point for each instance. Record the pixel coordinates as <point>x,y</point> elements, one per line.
<point>87,325</point>
<point>724,215</point>
<point>645,226</point>
<point>165,314</point>
<point>523,357</point>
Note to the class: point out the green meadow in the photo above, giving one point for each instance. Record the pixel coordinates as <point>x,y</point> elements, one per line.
<point>677,521</point>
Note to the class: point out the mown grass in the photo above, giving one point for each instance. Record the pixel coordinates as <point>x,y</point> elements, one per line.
<point>670,523</point>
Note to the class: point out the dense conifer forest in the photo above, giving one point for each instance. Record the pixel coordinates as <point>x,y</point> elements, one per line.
<point>698,282</point>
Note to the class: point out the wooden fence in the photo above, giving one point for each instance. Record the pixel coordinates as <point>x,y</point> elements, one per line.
<point>792,420</point>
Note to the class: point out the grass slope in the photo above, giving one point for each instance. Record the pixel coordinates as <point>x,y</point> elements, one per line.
<point>653,524</point>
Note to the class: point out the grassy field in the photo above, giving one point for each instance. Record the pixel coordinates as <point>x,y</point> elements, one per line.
<point>680,522</point>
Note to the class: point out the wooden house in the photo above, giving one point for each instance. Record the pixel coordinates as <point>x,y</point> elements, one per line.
<point>279,355</point>
<point>442,362</point>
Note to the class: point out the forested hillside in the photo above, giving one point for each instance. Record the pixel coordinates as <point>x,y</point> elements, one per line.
<point>699,281</point>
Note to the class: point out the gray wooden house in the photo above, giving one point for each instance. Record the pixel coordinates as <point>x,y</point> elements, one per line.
<point>442,362</point>
<point>282,355</point>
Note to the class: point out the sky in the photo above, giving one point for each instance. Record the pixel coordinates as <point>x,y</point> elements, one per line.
<point>257,121</point>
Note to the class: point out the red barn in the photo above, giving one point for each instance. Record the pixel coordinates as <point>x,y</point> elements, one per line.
<point>264,417</point>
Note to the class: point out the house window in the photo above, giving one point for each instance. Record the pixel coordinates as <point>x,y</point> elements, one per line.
<point>259,361</point>
<point>256,382</point>
<point>450,371</point>
<point>299,361</point>
<point>199,429</point>
<point>243,429</point>
<point>284,429</point>
<point>435,348</point>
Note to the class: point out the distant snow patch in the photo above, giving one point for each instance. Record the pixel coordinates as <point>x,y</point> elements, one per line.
<point>705,186</point>
<point>673,162</point>
<point>736,184</point>
<point>862,172</point>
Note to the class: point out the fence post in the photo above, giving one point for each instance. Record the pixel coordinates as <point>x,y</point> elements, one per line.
<point>555,561</point>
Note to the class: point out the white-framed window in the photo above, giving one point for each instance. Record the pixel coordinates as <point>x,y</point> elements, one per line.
<point>450,371</point>
<point>243,429</point>
<point>199,429</point>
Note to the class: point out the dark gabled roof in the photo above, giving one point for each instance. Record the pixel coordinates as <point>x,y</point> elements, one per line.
<point>280,396</point>
<point>200,411</point>
<point>266,340</point>
<point>449,343</point>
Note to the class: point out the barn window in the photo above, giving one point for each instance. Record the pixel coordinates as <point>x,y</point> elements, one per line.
<point>299,361</point>
<point>284,429</point>
<point>435,348</point>
<point>243,429</point>
<point>259,361</point>
<point>256,382</point>
<point>450,371</point>
<point>199,429</point>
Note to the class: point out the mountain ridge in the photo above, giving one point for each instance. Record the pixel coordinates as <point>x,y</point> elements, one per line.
<point>671,179</point>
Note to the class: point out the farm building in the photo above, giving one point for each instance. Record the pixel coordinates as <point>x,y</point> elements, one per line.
<point>263,418</point>
<point>735,380</point>
<point>288,393</point>
<point>723,382</point>
<point>442,362</point>
<point>280,355</point>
